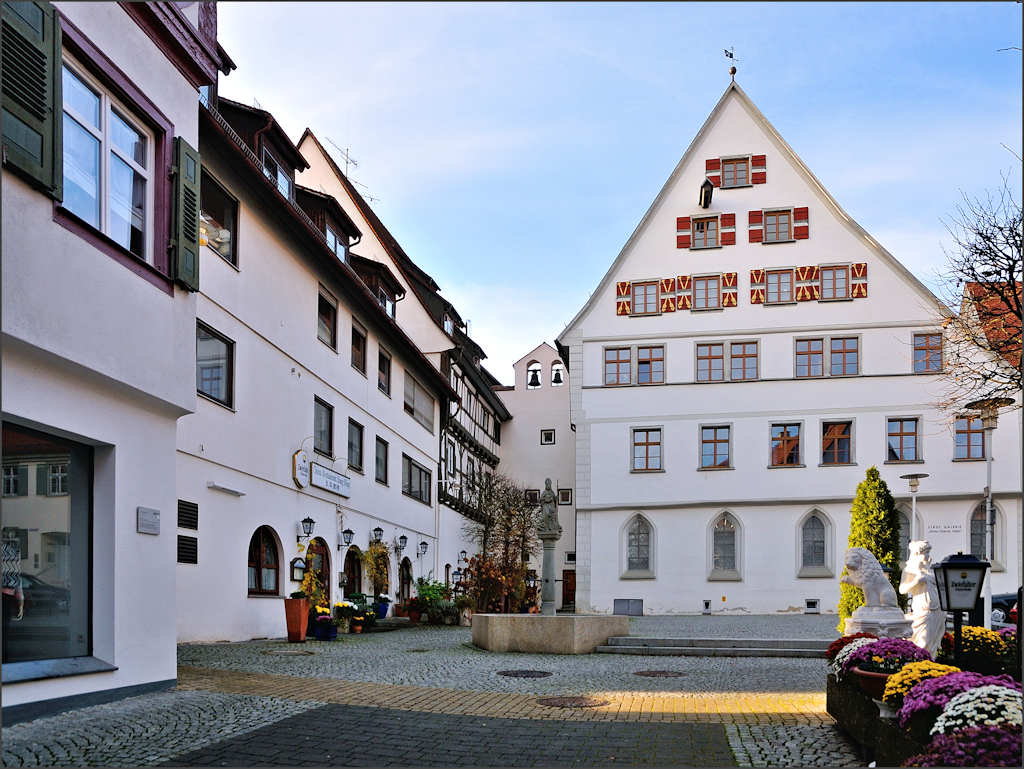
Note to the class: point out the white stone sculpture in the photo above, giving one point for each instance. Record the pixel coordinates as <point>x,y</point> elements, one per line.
<point>929,621</point>
<point>880,614</point>
<point>864,571</point>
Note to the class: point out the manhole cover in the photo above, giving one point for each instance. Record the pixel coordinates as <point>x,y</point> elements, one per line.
<point>659,673</point>
<point>572,702</point>
<point>411,651</point>
<point>524,673</point>
<point>290,653</point>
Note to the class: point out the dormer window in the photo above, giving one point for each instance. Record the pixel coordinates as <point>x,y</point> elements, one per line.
<point>386,301</point>
<point>276,173</point>
<point>449,325</point>
<point>335,243</point>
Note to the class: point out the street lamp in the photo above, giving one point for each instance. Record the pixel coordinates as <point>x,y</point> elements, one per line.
<point>959,579</point>
<point>989,408</point>
<point>423,548</point>
<point>915,481</point>
<point>378,533</point>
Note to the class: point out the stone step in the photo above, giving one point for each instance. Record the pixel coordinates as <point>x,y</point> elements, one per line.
<point>711,651</point>
<point>793,644</point>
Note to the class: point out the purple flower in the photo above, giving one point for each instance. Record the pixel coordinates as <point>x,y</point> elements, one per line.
<point>926,699</point>
<point>976,746</point>
<point>1009,634</point>
<point>896,649</point>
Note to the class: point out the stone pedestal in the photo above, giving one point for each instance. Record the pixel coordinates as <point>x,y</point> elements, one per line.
<point>537,634</point>
<point>547,590</point>
<point>882,621</point>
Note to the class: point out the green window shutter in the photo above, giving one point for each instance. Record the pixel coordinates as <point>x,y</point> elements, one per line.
<point>32,101</point>
<point>22,480</point>
<point>185,255</point>
<point>41,478</point>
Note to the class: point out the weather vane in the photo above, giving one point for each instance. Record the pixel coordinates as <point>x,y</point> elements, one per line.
<point>729,54</point>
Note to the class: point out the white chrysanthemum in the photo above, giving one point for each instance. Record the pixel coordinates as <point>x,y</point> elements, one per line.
<point>985,706</point>
<point>836,666</point>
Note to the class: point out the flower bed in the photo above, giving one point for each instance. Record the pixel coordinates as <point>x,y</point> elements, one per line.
<point>976,746</point>
<point>985,706</point>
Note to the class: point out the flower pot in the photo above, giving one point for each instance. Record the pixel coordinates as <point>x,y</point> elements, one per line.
<point>382,610</point>
<point>872,683</point>
<point>414,616</point>
<point>296,615</point>
<point>326,631</point>
<point>356,628</point>
<point>343,625</point>
<point>401,611</point>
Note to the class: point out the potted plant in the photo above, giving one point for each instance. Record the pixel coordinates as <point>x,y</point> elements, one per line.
<point>324,625</point>
<point>876,661</point>
<point>382,603</point>
<point>296,615</point>
<point>417,605</point>
<point>465,606</point>
<point>376,558</point>
<point>344,611</point>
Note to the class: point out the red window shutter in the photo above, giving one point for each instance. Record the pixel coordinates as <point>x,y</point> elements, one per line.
<point>728,238</point>
<point>668,285</point>
<point>756,236</point>
<point>668,304</point>
<point>757,296</point>
<point>682,222</point>
<point>729,299</point>
<point>755,217</point>
<point>714,164</point>
<point>800,214</point>
<point>683,282</point>
<point>756,277</point>
<point>758,161</point>
<point>716,181</point>
<point>858,290</point>
<point>758,177</point>
<point>683,302</point>
<point>682,241</point>
<point>859,270</point>
<point>800,232</point>
<point>815,290</point>
<point>622,288</point>
<point>729,280</point>
<point>622,307</point>
<point>728,220</point>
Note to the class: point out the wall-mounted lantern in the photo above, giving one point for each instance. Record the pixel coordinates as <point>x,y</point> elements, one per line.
<point>705,193</point>
<point>347,536</point>
<point>423,548</point>
<point>307,529</point>
<point>402,542</point>
<point>378,534</point>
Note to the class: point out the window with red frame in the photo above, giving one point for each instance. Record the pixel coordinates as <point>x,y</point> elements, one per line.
<point>706,293</point>
<point>844,357</point>
<point>927,353</point>
<point>646,450</point>
<point>714,447</point>
<point>902,435</point>
<point>645,298</point>
<point>743,360</point>
<point>710,362</point>
<point>734,173</point>
<point>970,438</point>
<point>616,366</point>
<point>810,358</point>
<point>780,286</point>
<point>777,226</point>
<point>835,443</point>
<point>705,233</point>
<point>785,445</point>
<point>835,282</point>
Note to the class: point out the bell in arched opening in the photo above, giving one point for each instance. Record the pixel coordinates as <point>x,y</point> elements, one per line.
<point>533,376</point>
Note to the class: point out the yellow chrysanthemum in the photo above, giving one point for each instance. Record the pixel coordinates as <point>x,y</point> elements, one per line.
<point>898,684</point>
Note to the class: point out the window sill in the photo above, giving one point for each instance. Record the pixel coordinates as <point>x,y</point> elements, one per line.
<point>783,467</point>
<point>386,392</point>
<point>703,248</point>
<point>644,574</point>
<point>928,373</point>
<point>725,575</point>
<point>382,483</point>
<point>331,347</point>
<point>838,464</point>
<point>970,459</point>
<point>355,469</point>
<point>642,315</point>
<point>790,303</point>
<point>361,371</point>
<point>111,248</point>
<point>903,462</point>
<point>60,668</point>
<point>815,572</point>
<point>836,299</point>
<point>410,496</point>
<point>706,309</point>
<point>218,253</point>
<point>735,186</point>
<point>776,242</point>
<point>645,472</point>
<point>714,469</point>
<point>326,454</point>
<point>211,399</point>
<point>260,595</point>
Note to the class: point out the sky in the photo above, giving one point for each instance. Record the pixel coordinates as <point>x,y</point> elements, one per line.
<point>512,149</point>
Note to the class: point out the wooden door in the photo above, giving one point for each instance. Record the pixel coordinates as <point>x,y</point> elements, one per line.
<point>569,587</point>
<point>354,571</point>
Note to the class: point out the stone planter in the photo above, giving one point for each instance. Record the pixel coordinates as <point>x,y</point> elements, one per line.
<point>326,631</point>
<point>872,683</point>
<point>344,625</point>
<point>296,615</point>
<point>880,739</point>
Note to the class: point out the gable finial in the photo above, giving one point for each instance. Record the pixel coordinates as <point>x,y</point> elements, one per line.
<point>730,54</point>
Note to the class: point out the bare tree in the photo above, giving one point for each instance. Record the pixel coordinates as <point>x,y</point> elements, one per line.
<point>982,287</point>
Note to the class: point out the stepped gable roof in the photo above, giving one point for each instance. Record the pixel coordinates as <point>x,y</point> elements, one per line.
<point>733,91</point>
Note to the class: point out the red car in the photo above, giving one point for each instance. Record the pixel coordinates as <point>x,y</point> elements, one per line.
<point>1013,613</point>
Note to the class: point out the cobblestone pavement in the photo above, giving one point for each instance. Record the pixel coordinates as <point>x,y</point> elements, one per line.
<point>345,735</point>
<point>143,730</point>
<point>230,697</point>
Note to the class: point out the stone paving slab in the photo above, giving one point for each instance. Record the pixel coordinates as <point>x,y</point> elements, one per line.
<point>794,745</point>
<point>325,737</point>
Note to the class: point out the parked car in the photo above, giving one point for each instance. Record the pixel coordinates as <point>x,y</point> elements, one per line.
<point>1001,606</point>
<point>1013,613</point>
<point>42,598</point>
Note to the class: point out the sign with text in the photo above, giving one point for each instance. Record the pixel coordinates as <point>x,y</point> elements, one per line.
<point>300,468</point>
<point>147,520</point>
<point>328,480</point>
<point>953,528</point>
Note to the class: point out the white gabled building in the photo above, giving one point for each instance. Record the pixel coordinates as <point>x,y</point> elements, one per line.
<point>748,355</point>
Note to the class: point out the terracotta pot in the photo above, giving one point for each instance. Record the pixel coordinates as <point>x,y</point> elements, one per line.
<point>872,683</point>
<point>401,611</point>
<point>296,615</point>
<point>356,628</point>
<point>414,616</point>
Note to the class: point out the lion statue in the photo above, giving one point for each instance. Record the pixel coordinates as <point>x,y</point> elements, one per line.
<point>864,571</point>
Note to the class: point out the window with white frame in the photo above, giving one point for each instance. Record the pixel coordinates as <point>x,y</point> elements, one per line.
<point>277,173</point>
<point>11,485</point>
<point>335,243</point>
<point>108,162</point>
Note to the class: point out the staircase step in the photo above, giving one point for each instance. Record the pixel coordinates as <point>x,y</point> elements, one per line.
<point>711,651</point>
<point>793,644</point>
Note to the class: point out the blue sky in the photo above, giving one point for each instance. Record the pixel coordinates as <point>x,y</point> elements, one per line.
<point>515,147</point>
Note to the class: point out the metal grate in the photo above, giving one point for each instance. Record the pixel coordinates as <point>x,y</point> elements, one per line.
<point>572,702</point>
<point>188,515</point>
<point>524,673</point>
<point>660,673</point>
<point>188,549</point>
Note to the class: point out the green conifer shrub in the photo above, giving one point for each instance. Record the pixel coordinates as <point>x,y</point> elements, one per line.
<point>874,525</point>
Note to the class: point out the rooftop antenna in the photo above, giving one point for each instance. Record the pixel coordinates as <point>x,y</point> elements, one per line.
<point>255,104</point>
<point>349,160</point>
<point>729,54</point>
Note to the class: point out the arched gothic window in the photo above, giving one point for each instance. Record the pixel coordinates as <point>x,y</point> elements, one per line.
<point>263,563</point>
<point>978,532</point>
<point>813,536</point>
<point>904,537</point>
<point>639,546</point>
<point>724,545</point>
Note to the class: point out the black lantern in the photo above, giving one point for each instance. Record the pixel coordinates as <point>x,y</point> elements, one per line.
<point>457,575</point>
<point>378,533</point>
<point>402,542</point>
<point>347,536</point>
<point>705,193</point>
<point>531,582</point>
<point>307,527</point>
<point>423,548</point>
<point>959,578</point>
<point>462,556</point>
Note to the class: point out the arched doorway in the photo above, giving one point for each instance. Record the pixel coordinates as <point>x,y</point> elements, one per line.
<point>318,560</point>
<point>354,571</point>
<point>405,580</point>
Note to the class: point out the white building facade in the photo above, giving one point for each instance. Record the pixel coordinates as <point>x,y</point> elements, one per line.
<point>748,356</point>
<point>99,251</point>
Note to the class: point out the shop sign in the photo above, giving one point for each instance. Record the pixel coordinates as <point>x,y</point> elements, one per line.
<point>300,468</point>
<point>328,480</point>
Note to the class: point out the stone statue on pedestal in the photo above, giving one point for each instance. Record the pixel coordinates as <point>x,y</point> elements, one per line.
<point>549,532</point>
<point>880,613</point>
<point>929,621</point>
<point>549,509</point>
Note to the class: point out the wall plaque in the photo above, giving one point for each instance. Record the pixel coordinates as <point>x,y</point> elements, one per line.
<point>945,528</point>
<point>300,468</point>
<point>147,520</point>
<point>328,480</point>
